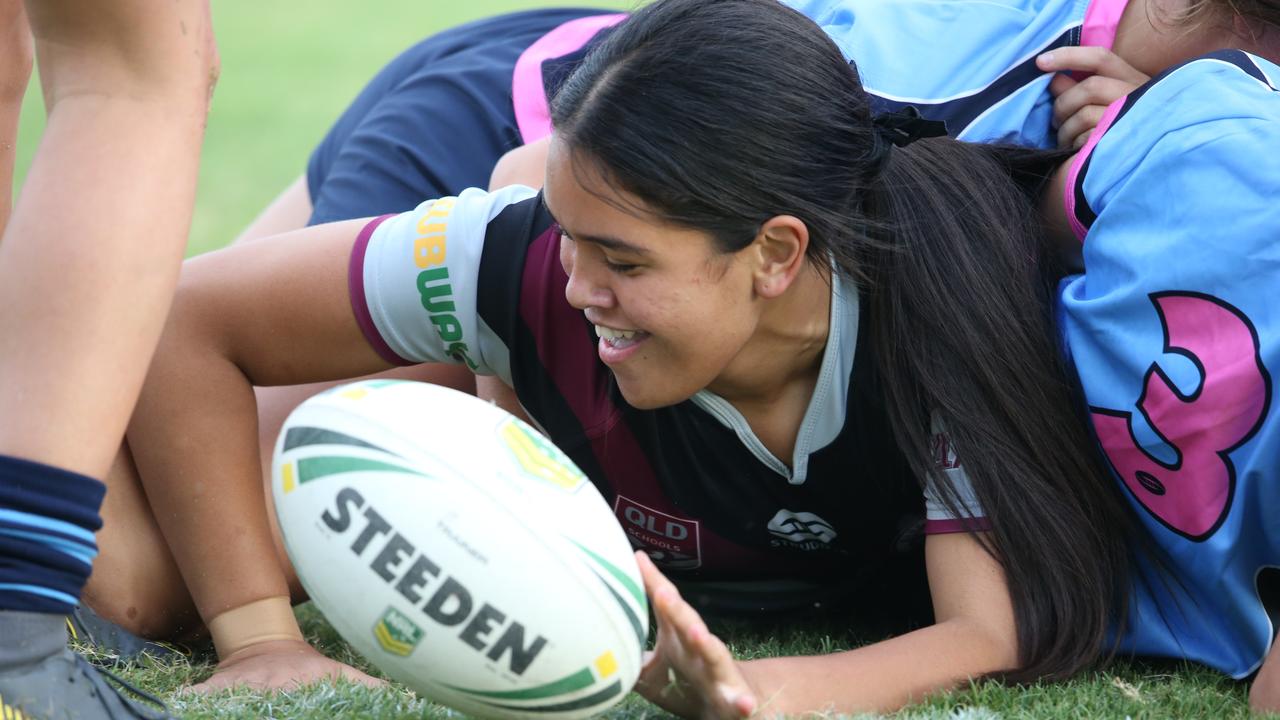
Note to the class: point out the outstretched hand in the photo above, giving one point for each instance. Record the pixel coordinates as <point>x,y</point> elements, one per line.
<point>1078,105</point>
<point>690,672</point>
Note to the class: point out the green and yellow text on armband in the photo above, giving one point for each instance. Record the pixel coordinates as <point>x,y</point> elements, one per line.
<point>430,250</point>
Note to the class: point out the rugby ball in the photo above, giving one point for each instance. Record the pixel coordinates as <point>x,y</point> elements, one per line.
<point>459,551</point>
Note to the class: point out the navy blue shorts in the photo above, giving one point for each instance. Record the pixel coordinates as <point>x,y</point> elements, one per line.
<point>431,123</point>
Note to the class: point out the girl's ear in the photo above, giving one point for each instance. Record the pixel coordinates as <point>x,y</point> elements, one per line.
<point>780,253</point>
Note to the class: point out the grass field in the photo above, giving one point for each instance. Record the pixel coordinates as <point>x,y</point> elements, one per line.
<point>288,69</point>
<point>1127,690</point>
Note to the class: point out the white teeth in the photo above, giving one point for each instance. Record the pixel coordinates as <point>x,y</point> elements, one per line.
<point>609,333</point>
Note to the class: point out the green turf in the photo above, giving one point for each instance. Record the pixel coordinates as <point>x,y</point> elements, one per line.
<point>1126,690</point>
<point>288,69</point>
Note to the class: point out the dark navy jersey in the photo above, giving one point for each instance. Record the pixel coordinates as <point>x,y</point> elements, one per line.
<point>477,279</point>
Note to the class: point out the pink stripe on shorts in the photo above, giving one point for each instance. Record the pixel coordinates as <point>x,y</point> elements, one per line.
<point>529,95</point>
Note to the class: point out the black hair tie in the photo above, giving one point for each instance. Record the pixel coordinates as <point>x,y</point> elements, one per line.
<point>900,128</point>
<point>905,126</point>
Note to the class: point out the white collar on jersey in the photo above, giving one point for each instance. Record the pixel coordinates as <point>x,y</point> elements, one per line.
<point>825,415</point>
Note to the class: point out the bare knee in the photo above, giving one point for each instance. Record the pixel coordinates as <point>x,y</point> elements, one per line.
<point>135,582</point>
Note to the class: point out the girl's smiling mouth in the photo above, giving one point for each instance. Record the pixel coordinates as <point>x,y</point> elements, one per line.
<point>617,345</point>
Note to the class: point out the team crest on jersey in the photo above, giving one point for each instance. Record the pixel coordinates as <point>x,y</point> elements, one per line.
<point>801,530</point>
<point>673,543</point>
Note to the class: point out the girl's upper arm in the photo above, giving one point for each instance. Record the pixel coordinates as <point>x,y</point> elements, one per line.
<point>351,298</point>
<point>279,307</point>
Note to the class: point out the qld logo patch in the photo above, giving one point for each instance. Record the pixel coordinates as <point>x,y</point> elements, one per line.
<point>673,543</point>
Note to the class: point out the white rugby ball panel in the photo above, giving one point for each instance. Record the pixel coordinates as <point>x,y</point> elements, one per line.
<point>460,551</point>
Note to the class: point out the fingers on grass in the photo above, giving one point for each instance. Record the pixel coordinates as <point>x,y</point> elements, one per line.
<point>737,704</point>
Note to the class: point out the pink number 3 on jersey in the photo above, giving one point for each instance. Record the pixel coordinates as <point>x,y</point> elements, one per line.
<point>1192,495</point>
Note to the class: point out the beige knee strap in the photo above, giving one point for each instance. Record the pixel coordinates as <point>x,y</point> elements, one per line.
<point>257,622</point>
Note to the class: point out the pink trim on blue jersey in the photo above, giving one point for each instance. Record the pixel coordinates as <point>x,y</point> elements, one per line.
<point>360,303</point>
<point>1077,163</point>
<point>528,94</point>
<point>1100,22</point>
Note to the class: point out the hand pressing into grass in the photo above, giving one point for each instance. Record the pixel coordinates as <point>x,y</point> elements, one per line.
<point>690,672</point>
<point>279,665</point>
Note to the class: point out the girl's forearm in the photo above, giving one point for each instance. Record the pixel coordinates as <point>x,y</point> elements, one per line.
<point>194,438</point>
<point>881,677</point>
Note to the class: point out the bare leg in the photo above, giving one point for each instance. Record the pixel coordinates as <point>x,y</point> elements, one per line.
<point>102,261</point>
<point>91,253</point>
<point>15,73</point>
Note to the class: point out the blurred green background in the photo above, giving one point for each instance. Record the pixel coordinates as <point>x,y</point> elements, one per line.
<point>288,70</point>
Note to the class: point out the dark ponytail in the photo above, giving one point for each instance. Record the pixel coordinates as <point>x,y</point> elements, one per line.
<point>721,114</point>
<point>962,323</point>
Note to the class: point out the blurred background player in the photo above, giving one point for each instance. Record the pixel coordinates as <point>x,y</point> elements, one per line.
<point>88,263</point>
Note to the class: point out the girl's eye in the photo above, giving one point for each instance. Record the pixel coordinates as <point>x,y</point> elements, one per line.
<point>620,268</point>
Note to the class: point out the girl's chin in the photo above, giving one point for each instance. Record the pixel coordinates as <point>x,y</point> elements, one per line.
<point>644,393</point>
<point>649,393</point>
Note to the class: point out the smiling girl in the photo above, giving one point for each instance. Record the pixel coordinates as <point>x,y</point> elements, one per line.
<point>737,308</point>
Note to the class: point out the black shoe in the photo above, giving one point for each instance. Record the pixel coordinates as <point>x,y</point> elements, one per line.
<point>109,645</point>
<point>40,679</point>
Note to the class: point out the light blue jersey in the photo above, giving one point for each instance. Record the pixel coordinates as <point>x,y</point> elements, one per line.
<point>969,64</point>
<point>1174,329</point>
